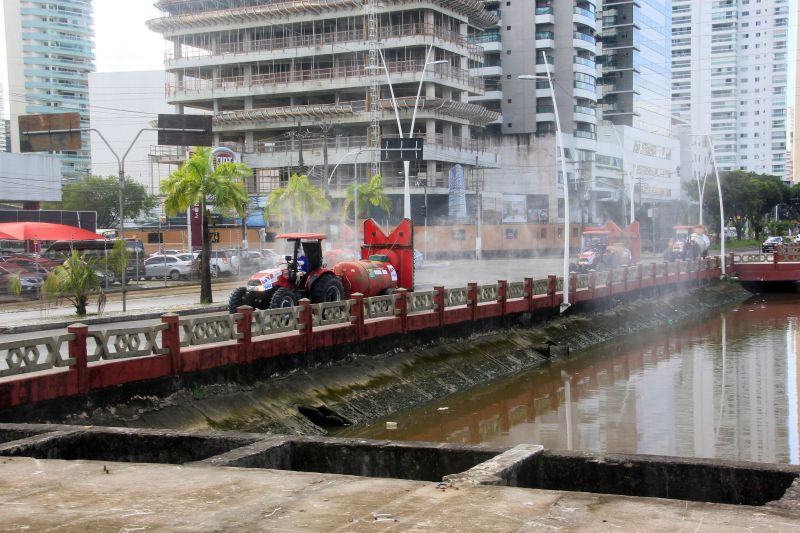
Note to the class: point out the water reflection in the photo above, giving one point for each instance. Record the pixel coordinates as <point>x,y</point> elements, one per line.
<point>724,388</point>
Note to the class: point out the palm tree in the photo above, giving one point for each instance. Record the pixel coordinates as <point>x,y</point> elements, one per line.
<point>75,281</point>
<point>198,182</point>
<point>370,194</point>
<point>299,199</point>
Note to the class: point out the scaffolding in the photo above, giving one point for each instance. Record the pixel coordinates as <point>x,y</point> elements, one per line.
<point>374,84</point>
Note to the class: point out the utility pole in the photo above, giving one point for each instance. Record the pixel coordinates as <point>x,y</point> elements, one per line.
<point>325,128</point>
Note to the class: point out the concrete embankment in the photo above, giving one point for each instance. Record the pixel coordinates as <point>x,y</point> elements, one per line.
<point>360,388</point>
<point>69,478</point>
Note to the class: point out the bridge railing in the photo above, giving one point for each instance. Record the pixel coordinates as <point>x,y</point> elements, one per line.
<point>45,368</point>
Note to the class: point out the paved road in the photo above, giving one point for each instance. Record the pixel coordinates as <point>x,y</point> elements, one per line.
<point>448,273</point>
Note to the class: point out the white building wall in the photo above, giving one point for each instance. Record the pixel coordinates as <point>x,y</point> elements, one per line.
<point>123,103</point>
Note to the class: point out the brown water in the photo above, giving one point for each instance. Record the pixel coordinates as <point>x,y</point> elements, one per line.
<point>726,388</point>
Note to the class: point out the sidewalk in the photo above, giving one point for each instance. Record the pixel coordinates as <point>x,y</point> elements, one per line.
<point>140,304</point>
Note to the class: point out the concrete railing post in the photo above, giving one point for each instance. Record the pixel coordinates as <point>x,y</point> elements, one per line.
<point>439,302</point>
<point>307,323</point>
<point>171,341</point>
<point>77,350</point>
<point>666,273</point>
<point>527,290</point>
<point>401,306</point>
<point>244,327</point>
<point>472,300</point>
<point>625,271</point>
<point>502,295</point>
<point>552,281</point>
<point>358,314</point>
<point>639,277</point>
<point>573,286</point>
<point>653,273</point>
<point>592,283</point>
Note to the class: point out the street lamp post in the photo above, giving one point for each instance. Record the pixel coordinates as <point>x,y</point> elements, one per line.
<point>565,301</point>
<point>632,177</point>
<point>407,164</point>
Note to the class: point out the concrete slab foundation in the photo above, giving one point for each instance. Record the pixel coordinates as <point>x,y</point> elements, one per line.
<point>57,495</point>
<point>73,478</point>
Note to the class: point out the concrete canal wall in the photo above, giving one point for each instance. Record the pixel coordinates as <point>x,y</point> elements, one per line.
<point>113,366</point>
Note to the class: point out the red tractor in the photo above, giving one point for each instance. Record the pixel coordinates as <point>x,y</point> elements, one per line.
<point>689,242</point>
<point>387,263</point>
<point>608,247</point>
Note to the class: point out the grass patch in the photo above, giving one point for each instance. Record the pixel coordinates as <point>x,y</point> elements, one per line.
<point>733,244</point>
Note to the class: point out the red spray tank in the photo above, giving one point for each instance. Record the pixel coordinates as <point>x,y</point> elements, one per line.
<point>370,278</point>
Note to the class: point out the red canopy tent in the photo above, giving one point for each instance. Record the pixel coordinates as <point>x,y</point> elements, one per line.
<point>6,237</point>
<point>44,231</point>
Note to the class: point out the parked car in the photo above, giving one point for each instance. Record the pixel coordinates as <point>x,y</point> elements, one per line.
<point>169,266</point>
<point>769,245</point>
<point>235,257</point>
<point>223,263</point>
<point>797,238</point>
<point>28,281</point>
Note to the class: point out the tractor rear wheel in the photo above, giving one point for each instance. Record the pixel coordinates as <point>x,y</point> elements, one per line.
<point>283,297</point>
<point>327,289</point>
<point>236,298</point>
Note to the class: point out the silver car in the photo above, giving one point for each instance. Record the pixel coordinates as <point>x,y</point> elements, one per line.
<point>171,266</point>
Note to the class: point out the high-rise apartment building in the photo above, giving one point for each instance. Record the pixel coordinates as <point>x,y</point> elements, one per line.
<point>50,53</point>
<point>2,121</point>
<point>298,87</point>
<point>729,78</point>
<point>609,64</point>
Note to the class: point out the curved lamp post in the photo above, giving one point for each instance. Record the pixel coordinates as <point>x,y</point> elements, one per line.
<point>565,301</point>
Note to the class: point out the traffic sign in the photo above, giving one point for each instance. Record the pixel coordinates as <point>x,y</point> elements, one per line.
<point>184,130</point>
<point>409,149</point>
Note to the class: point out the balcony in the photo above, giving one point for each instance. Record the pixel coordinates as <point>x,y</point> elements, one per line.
<point>584,16</point>
<point>282,153</point>
<point>584,41</point>
<point>234,51</point>
<point>318,79</point>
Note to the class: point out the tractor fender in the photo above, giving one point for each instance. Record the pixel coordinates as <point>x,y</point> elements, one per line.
<point>316,276</point>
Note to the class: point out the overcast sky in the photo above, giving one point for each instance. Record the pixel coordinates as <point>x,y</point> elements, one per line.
<point>122,41</point>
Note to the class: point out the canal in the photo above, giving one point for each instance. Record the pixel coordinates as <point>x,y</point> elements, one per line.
<point>726,388</point>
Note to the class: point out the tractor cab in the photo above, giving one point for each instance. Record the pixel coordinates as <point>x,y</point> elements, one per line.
<point>594,240</point>
<point>306,256</point>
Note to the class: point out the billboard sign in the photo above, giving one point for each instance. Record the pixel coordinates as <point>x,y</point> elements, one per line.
<point>184,130</point>
<point>50,132</point>
<point>402,149</point>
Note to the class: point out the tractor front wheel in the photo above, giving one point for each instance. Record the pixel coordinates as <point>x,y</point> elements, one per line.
<point>236,299</point>
<point>327,289</point>
<point>283,297</point>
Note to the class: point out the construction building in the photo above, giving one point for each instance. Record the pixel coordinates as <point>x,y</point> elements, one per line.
<point>299,87</point>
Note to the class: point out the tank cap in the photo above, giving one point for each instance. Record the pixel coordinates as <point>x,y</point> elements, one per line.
<point>379,257</point>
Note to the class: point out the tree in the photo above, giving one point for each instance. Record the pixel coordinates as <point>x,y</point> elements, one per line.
<point>370,194</point>
<point>300,199</point>
<point>117,260</point>
<point>747,197</point>
<point>198,182</point>
<point>96,193</point>
<point>74,281</point>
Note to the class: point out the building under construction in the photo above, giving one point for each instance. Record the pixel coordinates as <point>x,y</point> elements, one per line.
<point>297,86</point>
